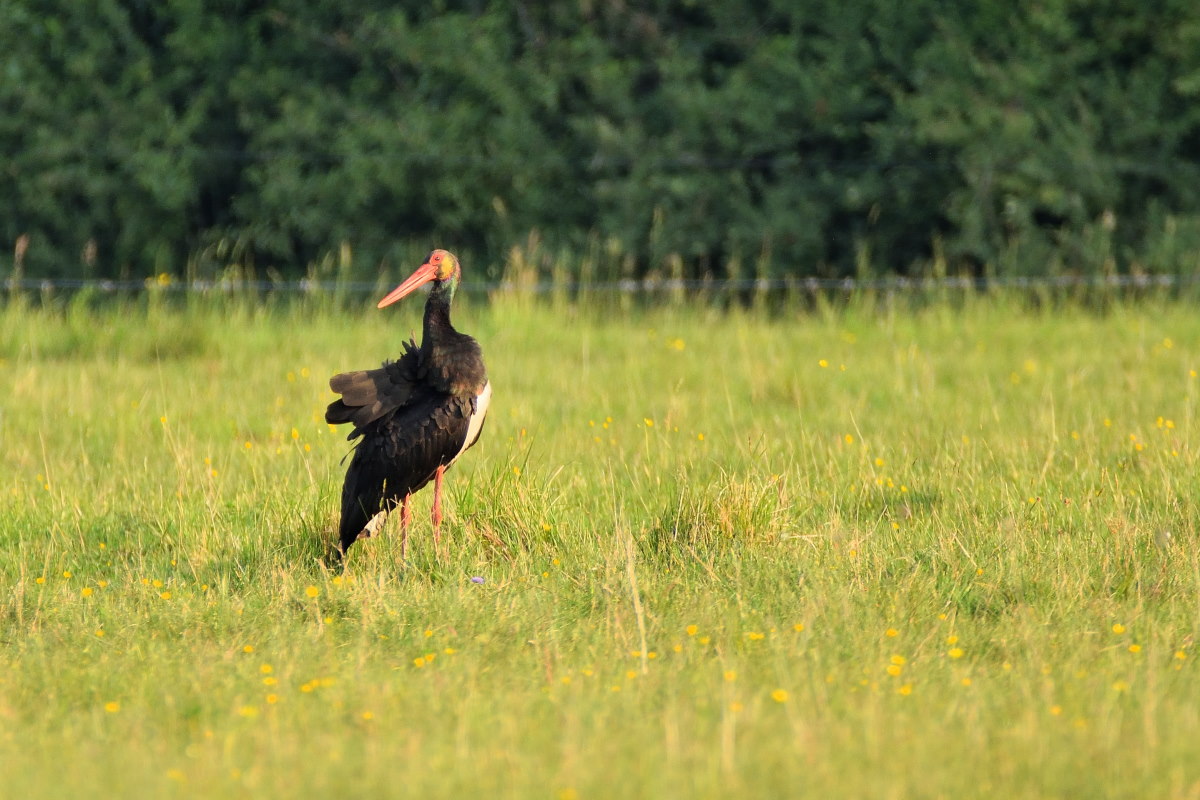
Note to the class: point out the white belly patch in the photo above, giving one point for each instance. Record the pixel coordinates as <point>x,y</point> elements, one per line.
<point>476,423</point>
<point>373,525</point>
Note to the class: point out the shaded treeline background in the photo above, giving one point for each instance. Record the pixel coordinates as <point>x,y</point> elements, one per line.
<point>773,138</point>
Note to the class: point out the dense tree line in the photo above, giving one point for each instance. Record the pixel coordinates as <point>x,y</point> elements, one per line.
<point>817,138</point>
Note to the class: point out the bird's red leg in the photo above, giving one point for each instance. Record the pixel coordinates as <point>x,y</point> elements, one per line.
<point>437,505</point>
<point>405,516</point>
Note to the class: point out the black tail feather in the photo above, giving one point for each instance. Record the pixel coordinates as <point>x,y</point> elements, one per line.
<point>362,499</point>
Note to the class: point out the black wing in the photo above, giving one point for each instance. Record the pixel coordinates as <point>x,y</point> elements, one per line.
<point>369,394</point>
<point>399,453</point>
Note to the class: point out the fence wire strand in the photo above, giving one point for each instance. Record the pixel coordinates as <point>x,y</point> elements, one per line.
<point>625,286</point>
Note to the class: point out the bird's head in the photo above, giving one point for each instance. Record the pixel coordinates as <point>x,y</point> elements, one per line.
<point>441,267</point>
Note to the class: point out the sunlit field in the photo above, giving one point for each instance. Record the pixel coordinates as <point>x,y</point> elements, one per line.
<point>880,548</point>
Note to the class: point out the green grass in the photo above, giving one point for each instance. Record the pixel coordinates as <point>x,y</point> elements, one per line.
<point>706,536</point>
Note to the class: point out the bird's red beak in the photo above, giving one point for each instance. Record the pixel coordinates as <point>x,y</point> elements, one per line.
<point>424,274</point>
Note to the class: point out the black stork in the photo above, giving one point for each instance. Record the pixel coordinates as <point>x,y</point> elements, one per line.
<point>414,416</point>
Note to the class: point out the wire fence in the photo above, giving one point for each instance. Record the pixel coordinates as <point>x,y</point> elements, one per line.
<point>625,286</point>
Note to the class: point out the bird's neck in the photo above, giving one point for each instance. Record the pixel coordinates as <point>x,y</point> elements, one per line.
<point>451,360</point>
<point>437,319</point>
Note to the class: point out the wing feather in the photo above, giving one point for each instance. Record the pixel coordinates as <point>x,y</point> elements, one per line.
<point>370,394</point>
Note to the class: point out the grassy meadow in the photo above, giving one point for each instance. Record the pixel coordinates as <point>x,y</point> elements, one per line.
<point>882,549</point>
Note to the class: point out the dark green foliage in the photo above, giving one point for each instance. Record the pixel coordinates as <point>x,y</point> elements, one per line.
<point>775,138</point>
